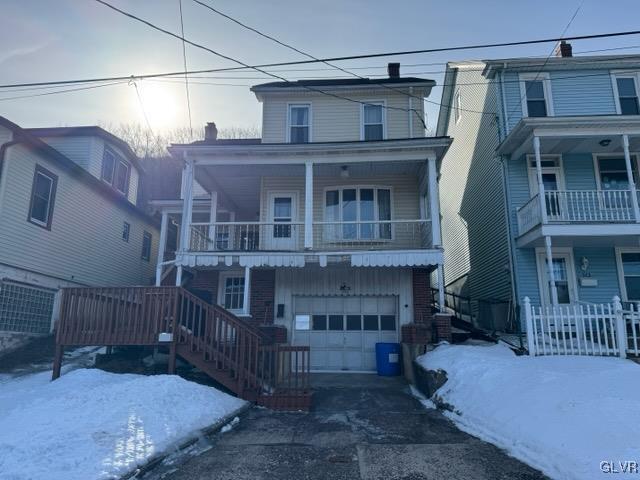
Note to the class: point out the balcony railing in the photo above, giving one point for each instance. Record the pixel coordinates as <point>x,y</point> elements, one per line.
<point>577,206</point>
<point>334,236</point>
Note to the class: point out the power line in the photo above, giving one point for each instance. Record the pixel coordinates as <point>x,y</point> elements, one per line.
<point>308,55</point>
<point>77,89</point>
<point>226,57</point>
<point>186,78</point>
<point>330,59</point>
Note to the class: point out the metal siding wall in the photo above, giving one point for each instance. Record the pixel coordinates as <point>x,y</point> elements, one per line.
<point>578,171</point>
<point>527,275</point>
<point>602,266</point>
<point>76,148</point>
<point>513,99</point>
<point>584,93</point>
<point>471,196</point>
<point>318,281</point>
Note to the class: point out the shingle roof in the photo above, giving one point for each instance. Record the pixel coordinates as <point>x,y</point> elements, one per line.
<point>339,82</point>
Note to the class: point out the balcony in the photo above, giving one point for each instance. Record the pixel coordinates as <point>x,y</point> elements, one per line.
<point>413,234</point>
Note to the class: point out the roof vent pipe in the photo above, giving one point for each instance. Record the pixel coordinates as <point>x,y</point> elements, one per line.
<point>393,69</point>
<point>211,131</point>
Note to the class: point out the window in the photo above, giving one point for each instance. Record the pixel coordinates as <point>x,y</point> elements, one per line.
<point>319,322</point>
<point>126,228</point>
<point>457,102</point>
<point>336,322</point>
<point>357,204</point>
<point>282,213</point>
<point>115,171</point>
<point>43,193</point>
<point>563,273</point>
<point>612,172</point>
<point>146,246</point>
<point>536,95</point>
<point>373,121</point>
<point>627,96</point>
<point>629,269</point>
<point>233,293</point>
<point>299,123</point>
<point>303,322</point>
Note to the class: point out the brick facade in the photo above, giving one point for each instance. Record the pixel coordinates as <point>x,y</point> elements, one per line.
<point>442,327</point>
<point>263,292</point>
<point>206,280</point>
<point>422,297</point>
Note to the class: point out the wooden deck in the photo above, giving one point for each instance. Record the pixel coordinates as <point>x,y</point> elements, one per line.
<point>227,348</point>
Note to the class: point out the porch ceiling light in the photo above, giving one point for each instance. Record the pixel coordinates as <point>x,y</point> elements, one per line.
<point>344,172</point>
<point>605,142</point>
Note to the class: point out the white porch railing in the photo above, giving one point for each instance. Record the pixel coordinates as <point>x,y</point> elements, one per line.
<point>583,329</point>
<point>246,236</point>
<point>579,206</point>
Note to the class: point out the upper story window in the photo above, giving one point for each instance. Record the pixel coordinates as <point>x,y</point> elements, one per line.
<point>299,130</point>
<point>43,194</point>
<point>373,121</point>
<point>457,104</point>
<point>627,95</point>
<point>115,171</point>
<point>536,95</point>
<point>612,172</point>
<point>347,209</point>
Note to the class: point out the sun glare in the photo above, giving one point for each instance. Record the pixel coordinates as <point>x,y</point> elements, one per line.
<point>159,103</point>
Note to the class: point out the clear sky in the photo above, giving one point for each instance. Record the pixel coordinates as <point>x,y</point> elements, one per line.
<point>65,39</point>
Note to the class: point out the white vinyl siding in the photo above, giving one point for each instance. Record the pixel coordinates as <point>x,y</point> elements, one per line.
<point>335,120</point>
<point>84,244</point>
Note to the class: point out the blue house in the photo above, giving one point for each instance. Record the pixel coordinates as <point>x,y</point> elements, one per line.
<point>538,190</point>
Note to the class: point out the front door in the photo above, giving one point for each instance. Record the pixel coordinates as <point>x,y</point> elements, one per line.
<point>553,181</point>
<point>564,275</point>
<point>281,232</point>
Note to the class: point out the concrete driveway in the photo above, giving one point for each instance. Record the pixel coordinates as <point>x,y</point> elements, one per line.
<point>361,427</point>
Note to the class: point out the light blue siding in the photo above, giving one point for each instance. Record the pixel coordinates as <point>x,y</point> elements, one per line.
<point>602,266</point>
<point>586,92</point>
<point>513,99</point>
<point>578,171</point>
<point>527,275</point>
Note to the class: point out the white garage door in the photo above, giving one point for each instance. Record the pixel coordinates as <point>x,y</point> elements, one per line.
<point>343,331</point>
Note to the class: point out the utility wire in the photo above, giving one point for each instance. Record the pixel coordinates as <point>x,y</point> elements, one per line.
<point>331,59</point>
<point>308,55</point>
<point>76,89</point>
<point>184,59</point>
<point>226,57</point>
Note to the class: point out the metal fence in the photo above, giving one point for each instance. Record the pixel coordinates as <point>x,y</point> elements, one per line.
<point>25,308</point>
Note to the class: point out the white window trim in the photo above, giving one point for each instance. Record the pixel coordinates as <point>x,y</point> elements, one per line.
<point>382,103</point>
<point>222,278</point>
<point>299,104</point>
<point>48,210</point>
<point>542,269</point>
<point>614,84</point>
<point>375,188</point>
<point>546,84</point>
<point>532,174</point>
<point>457,105</point>
<point>596,165</point>
<point>620,269</point>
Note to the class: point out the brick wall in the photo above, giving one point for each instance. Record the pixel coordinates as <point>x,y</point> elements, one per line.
<point>422,297</point>
<point>206,280</point>
<point>263,289</point>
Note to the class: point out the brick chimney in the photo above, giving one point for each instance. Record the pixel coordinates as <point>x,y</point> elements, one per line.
<point>211,132</point>
<point>564,50</point>
<point>393,69</point>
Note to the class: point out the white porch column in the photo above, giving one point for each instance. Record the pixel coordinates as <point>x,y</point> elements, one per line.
<point>164,225</point>
<point>246,310</point>
<point>434,203</point>
<point>541,195</point>
<point>187,206</point>
<point>213,214</point>
<point>632,183</point>
<point>441,288</point>
<point>179,276</point>
<point>308,205</point>
<point>550,274</point>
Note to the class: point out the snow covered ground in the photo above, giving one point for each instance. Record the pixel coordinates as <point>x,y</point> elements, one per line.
<point>562,415</point>
<point>90,424</point>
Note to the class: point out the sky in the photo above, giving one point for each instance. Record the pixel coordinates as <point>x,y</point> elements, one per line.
<point>45,40</point>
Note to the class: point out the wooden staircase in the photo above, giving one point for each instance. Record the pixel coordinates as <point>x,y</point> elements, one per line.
<point>227,348</point>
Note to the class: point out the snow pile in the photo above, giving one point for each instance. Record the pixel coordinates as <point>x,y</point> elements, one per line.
<point>90,424</point>
<point>562,415</point>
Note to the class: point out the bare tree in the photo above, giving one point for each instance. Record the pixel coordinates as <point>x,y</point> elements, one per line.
<point>147,144</point>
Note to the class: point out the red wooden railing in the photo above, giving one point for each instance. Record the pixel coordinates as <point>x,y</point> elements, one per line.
<point>229,349</point>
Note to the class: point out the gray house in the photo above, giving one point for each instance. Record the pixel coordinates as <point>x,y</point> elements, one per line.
<point>69,216</point>
<point>538,191</point>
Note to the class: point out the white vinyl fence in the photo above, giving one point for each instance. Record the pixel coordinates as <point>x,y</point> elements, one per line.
<point>583,329</point>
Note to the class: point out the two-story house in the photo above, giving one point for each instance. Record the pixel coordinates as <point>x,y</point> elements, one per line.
<point>538,191</point>
<point>327,226</point>
<point>69,217</point>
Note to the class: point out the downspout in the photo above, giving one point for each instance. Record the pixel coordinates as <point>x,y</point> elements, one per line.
<point>410,112</point>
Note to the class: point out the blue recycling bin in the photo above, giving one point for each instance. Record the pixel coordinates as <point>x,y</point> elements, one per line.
<point>388,361</point>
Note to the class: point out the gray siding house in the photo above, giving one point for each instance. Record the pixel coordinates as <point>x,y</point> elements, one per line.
<point>538,191</point>
<point>69,216</point>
